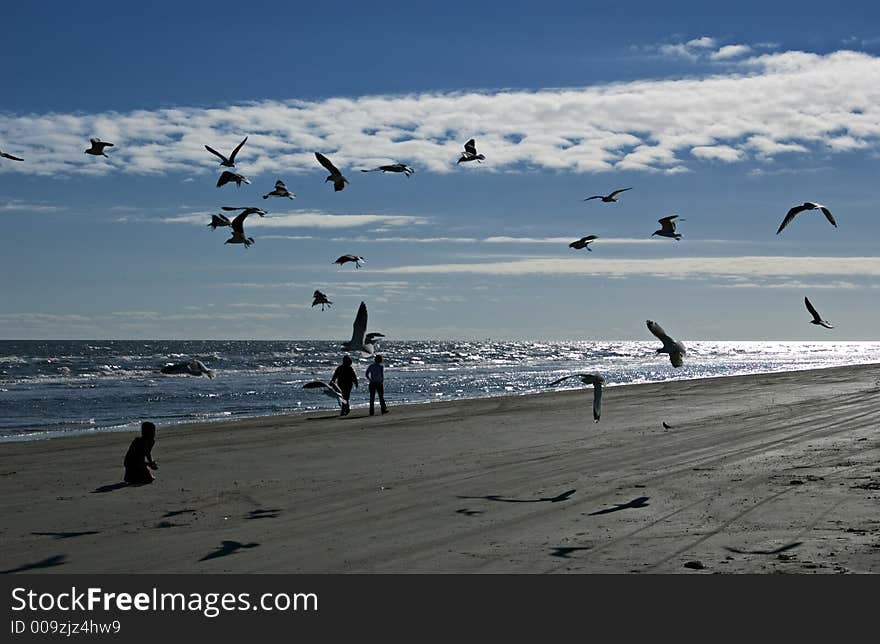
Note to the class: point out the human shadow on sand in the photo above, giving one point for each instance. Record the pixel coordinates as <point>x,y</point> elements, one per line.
<point>66,535</point>
<point>263,514</point>
<point>565,496</point>
<point>775,551</point>
<point>227,548</point>
<point>110,488</point>
<point>564,551</point>
<point>639,502</point>
<point>57,560</point>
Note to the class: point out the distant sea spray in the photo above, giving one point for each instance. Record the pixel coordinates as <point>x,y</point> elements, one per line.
<point>57,388</point>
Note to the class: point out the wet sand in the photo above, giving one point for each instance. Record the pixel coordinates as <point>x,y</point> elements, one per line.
<point>756,474</point>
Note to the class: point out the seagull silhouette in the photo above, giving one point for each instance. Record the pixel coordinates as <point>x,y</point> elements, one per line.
<point>674,348</point>
<point>608,198</point>
<point>97,148</point>
<point>588,379</point>
<point>817,319</point>
<point>320,298</point>
<point>344,259</point>
<point>231,177</point>
<point>394,167</point>
<point>667,227</point>
<point>470,153</point>
<point>807,205</point>
<point>229,161</point>
<point>6,155</point>
<point>335,175</point>
<point>279,191</point>
<point>583,242</point>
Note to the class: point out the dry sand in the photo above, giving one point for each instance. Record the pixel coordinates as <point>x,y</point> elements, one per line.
<point>769,473</point>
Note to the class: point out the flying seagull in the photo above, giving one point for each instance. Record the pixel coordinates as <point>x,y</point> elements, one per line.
<point>360,339</point>
<point>807,205</point>
<point>667,228</point>
<point>394,167</point>
<point>335,175</point>
<point>238,236</point>
<point>817,319</point>
<point>230,177</point>
<point>245,210</point>
<point>470,153</point>
<point>279,191</point>
<point>193,368</point>
<point>219,220</point>
<point>328,389</point>
<point>583,242</point>
<point>357,259</point>
<point>589,379</point>
<point>674,348</point>
<point>97,148</point>
<point>321,299</point>
<point>224,161</point>
<point>6,155</point>
<point>608,198</point>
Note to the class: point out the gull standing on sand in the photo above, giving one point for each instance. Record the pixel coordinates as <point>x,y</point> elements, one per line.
<point>320,298</point>
<point>589,379</point>
<point>608,198</point>
<point>807,205</point>
<point>328,389</point>
<point>230,177</point>
<point>335,175</point>
<point>394,167</point>
<point>97,148</point>
<point>279,191</point>
<point>470,153</point>
<point>817,319</point>
<point>193,368</point>
<point>228,162</point>
<point>674,348</point>
<point>667,227</point>
<point>360,339</point>
<point>344,259</point>
<point>6,155</point>
<point>583,242</point>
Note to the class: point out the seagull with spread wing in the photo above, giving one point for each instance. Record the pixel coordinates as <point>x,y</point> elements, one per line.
<point>608,198</point>
<point>6,155</point>
<point>667,227</point>
<point>279,191</point>
<point>807,205</point>
<point>219,220</point>
<point>360,339</point>
<point>470,153</point>
<point>674,348</point>
<point>238,236</point>
<point>344,259</point>
<point>583,242</point>
<point>335,175</point>
<point>97,148</point>
<point>817,319</point>
<point>229,161</point>
<point>328,389</point>
<point>394,167</point>
<point>231,177</point>
<point>320,298</point>
<point>589,379</point>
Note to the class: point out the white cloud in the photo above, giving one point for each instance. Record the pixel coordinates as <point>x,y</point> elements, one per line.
<point>719,152</point>
<point>730,51</point>
<point>683,267</point>
<point>304,219</point>
<point>793,102</point>
<point>17,205</point>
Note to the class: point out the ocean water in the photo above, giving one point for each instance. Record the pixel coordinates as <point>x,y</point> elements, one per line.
<point>56,388</point>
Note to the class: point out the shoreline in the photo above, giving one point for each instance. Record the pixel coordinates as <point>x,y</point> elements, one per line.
<point>133,426</point>
<point>757,473</point>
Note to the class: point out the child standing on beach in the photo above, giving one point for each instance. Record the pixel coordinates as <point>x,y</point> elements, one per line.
<point>376,377</point>
<point>139,458</point>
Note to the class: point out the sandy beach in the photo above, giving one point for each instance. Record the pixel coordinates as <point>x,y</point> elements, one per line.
<point>756,474</point>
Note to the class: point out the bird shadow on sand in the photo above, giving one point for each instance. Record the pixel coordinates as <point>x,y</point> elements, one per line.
<point>227,548</point>
<point>565,551</point>
<point>57,560</point>
<point>638,502</point>
<point>263,514</point>
<point>565,496</point>
<point>66,535</point>
<point>775,551</point>
<point>110,488</point>
<point>468,513</point>
<point>174,513</point>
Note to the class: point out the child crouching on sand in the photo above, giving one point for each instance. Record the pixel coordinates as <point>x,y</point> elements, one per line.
<point>139,459</point>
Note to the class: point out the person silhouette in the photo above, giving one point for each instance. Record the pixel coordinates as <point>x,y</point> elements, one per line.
<point>345,378</point>
<point>376,378</point>
<point>139,459</point>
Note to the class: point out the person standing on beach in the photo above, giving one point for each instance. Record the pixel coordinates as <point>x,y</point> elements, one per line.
<point>345,378</point>
<point>376,378</point>
<point>139,458</point>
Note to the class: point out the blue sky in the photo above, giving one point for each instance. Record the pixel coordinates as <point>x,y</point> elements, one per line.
<point>726,117</point>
